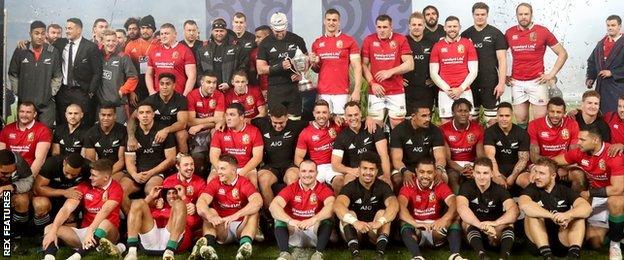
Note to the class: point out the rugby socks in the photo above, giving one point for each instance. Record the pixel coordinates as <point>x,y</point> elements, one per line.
<point>212,240</point>
<point>545,251</point>
<point>408,235</point>
<point>382,241</point>
<point>20,220</point>
<point>507,240</point>
<point>574,252</point>
<point>133,242</point>
<point>616,229</point>
<point>281,235</point>
<point>454,238</point>
<point>323,233</point>
<point>351,238</point>
<point>50,250</point>
<point>42,221</point>
<point>172,245</point>
<point>244,239</point>
<point>474,239</point>
<point>98,234</point>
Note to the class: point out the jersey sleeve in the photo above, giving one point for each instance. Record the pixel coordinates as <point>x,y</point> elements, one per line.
<point>386,191</point>
<point>55,136</point>
<point>192,100</point>
<point>189,57</point>
<point>182,103</point>
<point>524,141</point>
<point>88,141</point>
<point>551,40</point>
<point>533,132</point>
<point>574,132</point>
<point>287,193</point>
<point>489,138</point>
<point>170,141</point>
<point>443,191</point>
<point>248,189</point>
<point>262,52</point>
<point>353,47</point>
<point>339,144</point>
<point>259,97</point>
<point>211,187</point>
<point>467,190</point>
<point>616,165</point>
<point>115,193</point>
<point>502,193</point>
<point>571,195</point>
<point>532,192</point>
<point>500,43</point>
<point>472,52</point>
<point>258,138</point>
<point>573,156</point>
<point>379,135</point>
<point>436,137</point>
<point>325,192</point>
<point>405,48</point>
<point>434,57</point>
<point>366,48</point>
<point>396,140</point>
<point>216,140</point>
<point>220,103</point>
<point>406,192</point>
<point>82,188</point>
<point>48,168</point>
<point>44,134</point>
<point>301,141</point>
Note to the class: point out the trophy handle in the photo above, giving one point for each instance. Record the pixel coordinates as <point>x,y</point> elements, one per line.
<point>292,65</point>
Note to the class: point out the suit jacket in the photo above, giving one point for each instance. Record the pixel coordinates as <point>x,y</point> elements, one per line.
<point>87,66</point>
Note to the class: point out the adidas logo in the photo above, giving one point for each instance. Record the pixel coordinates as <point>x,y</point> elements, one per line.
<point>267,135</point>
<point>499,143</point>
<point>62,142</point>
<point>25,60</point>
<point>475,201</point>
<point>351,146</point>
<point>98,144</point>
<point>409,141</point>
<point>358,201</point>
<point>273,49</point>
<point>540,203</point>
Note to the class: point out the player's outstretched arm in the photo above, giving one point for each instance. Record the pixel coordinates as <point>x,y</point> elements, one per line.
<point>511,213</point>
<point>532,209</point>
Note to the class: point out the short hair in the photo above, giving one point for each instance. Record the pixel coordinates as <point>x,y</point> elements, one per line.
<point>239,15</point>
<point>550,163</point>
<point>109,32</point>
<point>75,105</point>
<point>120,30</point>
<point>239,108</point>
<point>230,159</point>
<point>416,15</point>
<point>428,160</point>
<point>621,97</point>
<point>131,21</point>
<point>189,22</point>
<point>383,17</point>
<point>332,11</point>
<point>146,104</point>
<point>431,7</point>
<point>418,106</point>
<point>593,131</point>
<point>7,157</point>
<point>108,105</point>
<point>241,73</point>
<point>461,101</point>
<point>264,28</point>
<point>26,103</point>
<point>451,18</point>
<point>504,105</point>
<point>556,101</point>
<point>75,160</point>
<point>480,5</point>
<point>167,25</point>
<point>167,75</point>
<point>484,161</point>
<point>371,157</point>
<point>179,156</point>
<point>308,161</point>
<point>55,26</point>
<point>527,5</point>
<point>103,165</point>
<point>75,21</point>
<point>278,110</point>
<point>99,20</point>
<point>616,18</point>
<point>590,93</point>
<point>209,73</point>
<point>36,25</point>
<point>321,102</point>
<point>352,103</point>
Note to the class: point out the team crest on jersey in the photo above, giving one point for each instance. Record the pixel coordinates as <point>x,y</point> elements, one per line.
<point>339,43</point>
<point>189,190</point>
<point>533,36</point>
<point>393,44</point>
<point>461,49</point>
<point>332,133</point>
<point>245,139</point>
<point>471,138</point>
<point>565,134</point>
<point>602,165</point>
<point>235,193</point>
<point>212,103</point>
<point>31,136</point>
<point>313,199</point>
<point>175,54</point>
<point>432,197</point>
<point>249,100</point>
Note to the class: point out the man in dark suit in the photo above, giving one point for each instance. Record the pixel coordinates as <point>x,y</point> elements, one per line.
<point>82,72</point>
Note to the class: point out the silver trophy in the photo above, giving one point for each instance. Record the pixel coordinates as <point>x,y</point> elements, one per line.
<point>300,66</point>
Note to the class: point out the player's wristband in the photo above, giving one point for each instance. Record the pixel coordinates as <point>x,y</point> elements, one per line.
<point>348,218</point>
<point>403,170</point>
<point>440,168</point>
<point>598,193</point>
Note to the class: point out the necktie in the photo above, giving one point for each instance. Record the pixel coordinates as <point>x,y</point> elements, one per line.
<point>70,65</point>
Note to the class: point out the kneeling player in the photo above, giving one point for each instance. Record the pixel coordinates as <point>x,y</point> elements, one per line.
<point>101,201</point>
<point>366,207</point>
<point>302,213</point>
<point>229,207</point>
<point>486,208</point>
<point>421,212</point>
<point>554,214</point>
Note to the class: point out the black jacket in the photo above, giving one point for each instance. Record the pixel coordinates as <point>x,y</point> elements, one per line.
<point>87,66</point>
<point>36,80</point>
<point>233,60</point>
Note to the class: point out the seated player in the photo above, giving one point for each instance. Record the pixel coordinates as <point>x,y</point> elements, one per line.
<point>56,183</point>
<point>69,137</point>
<point>355,140</point>
<point>250,97</point>
<point>366,207</point>
<point>605,176</point>
<point>170,111</point>
<point>303,213</point>
<point>464,140</point>
<point>107,140</point>
<point>240,139</point>
<point>148,166</point>
<point>100,204</point>
<point>316,141</point>
<point>421,208</point>
<point>206,107</point>
<point>229,207</point>
<point>507,145</point>
<point>412,140</point>
<point>280,138</point>
<point>615,120</point>
<point>486,209</point>
<point>555,215</point>
<point>16,177</point>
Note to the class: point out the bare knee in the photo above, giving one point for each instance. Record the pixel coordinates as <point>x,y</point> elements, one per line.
<point>41,206</point>
<point>21,202</point>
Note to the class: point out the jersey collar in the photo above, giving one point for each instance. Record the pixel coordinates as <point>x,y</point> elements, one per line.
<point>389,38</point>
<point>246,91</point>
<point>553,126</point>
<point>28,126</point>
<point>616,38</point>
<point>187,181</point>
<point>311,188</point>
<point>601,150</point>
<point>327,125</point>
<point>242,129</point>
<point>455,127</point>
<point>335,35</point>
<point>172,46</point>
<point>428,188</point>
<point>108,184</point>
<point>452,41</point>
<point>233,182</point>
<point>201,93</point>
<point>520,28</point>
